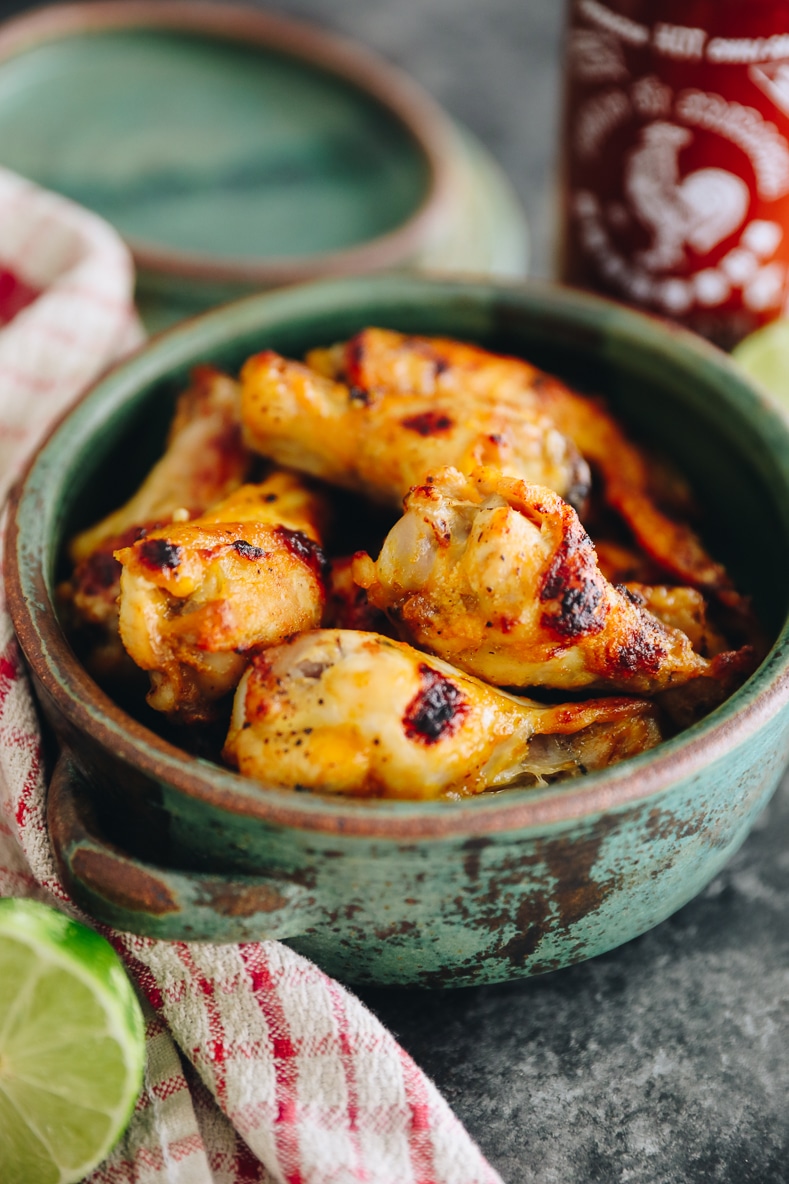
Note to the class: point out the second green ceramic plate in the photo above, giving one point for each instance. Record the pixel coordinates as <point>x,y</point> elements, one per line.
<point>236,150</point>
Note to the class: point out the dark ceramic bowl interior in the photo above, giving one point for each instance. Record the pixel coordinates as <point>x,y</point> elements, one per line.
<point>674,391</point>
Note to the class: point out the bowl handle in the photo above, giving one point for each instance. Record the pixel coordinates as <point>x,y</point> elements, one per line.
<point>122,891</point>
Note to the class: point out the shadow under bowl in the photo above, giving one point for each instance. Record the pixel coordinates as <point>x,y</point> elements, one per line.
<point>428,893</point>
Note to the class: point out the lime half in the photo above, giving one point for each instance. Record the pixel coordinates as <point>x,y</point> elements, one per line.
<point>72,1046</point>
<point>765,356</point>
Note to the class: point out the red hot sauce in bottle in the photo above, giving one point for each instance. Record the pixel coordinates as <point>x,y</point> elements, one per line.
<point>676,158</point>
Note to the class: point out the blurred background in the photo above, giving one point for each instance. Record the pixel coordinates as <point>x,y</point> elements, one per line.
<point>495,67</point>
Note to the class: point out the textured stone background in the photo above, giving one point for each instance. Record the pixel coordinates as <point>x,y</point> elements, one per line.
<point>667,1061</point>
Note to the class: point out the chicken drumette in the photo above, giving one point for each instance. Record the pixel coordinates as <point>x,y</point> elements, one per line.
<point>204,460</point>
<point>381,441</point>
<point>500,578</point>
<point>199,597</point>
<point>336,711</point>
<point>381,364</point>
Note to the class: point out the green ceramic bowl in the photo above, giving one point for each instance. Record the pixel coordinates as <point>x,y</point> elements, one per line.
<point>390,892</point>
<point>234,149</point>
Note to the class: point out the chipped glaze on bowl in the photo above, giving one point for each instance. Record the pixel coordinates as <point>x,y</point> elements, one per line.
<point>426,893</point>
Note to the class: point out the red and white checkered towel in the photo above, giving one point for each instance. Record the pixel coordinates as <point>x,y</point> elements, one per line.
<point>260,1068</point>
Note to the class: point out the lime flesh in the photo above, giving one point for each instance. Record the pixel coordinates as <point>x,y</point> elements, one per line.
<point>765,356</point>
<point>72,1046</point>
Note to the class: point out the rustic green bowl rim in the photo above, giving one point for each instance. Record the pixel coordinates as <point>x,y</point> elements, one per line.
<point>29,559</point>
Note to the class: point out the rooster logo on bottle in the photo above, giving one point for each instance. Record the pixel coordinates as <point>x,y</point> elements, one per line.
<point>697,211</point>
<point>676,159</point>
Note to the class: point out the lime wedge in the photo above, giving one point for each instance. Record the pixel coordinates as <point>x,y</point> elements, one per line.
<point>72,1046</point>
<point>765,356</point>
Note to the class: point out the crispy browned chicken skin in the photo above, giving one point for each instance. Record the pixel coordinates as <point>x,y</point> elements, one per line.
<point>379,442</point>
<point>379,362</point>
<point>204,460</point>
<point>500,578</point>
<point>198,597</point>
<point>684,609</point>
<point>348,712</point>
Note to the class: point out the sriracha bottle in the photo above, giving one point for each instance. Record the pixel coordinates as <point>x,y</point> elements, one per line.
<point>675,170</point>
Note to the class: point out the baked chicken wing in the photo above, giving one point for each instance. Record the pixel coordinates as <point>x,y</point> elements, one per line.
<point>198,597</point>
<point>380,441</point>
<point>379,363</point>
<point>684,609</point>
<point>204,461</point>
<point>337,711</point>
<point>500,578</point>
